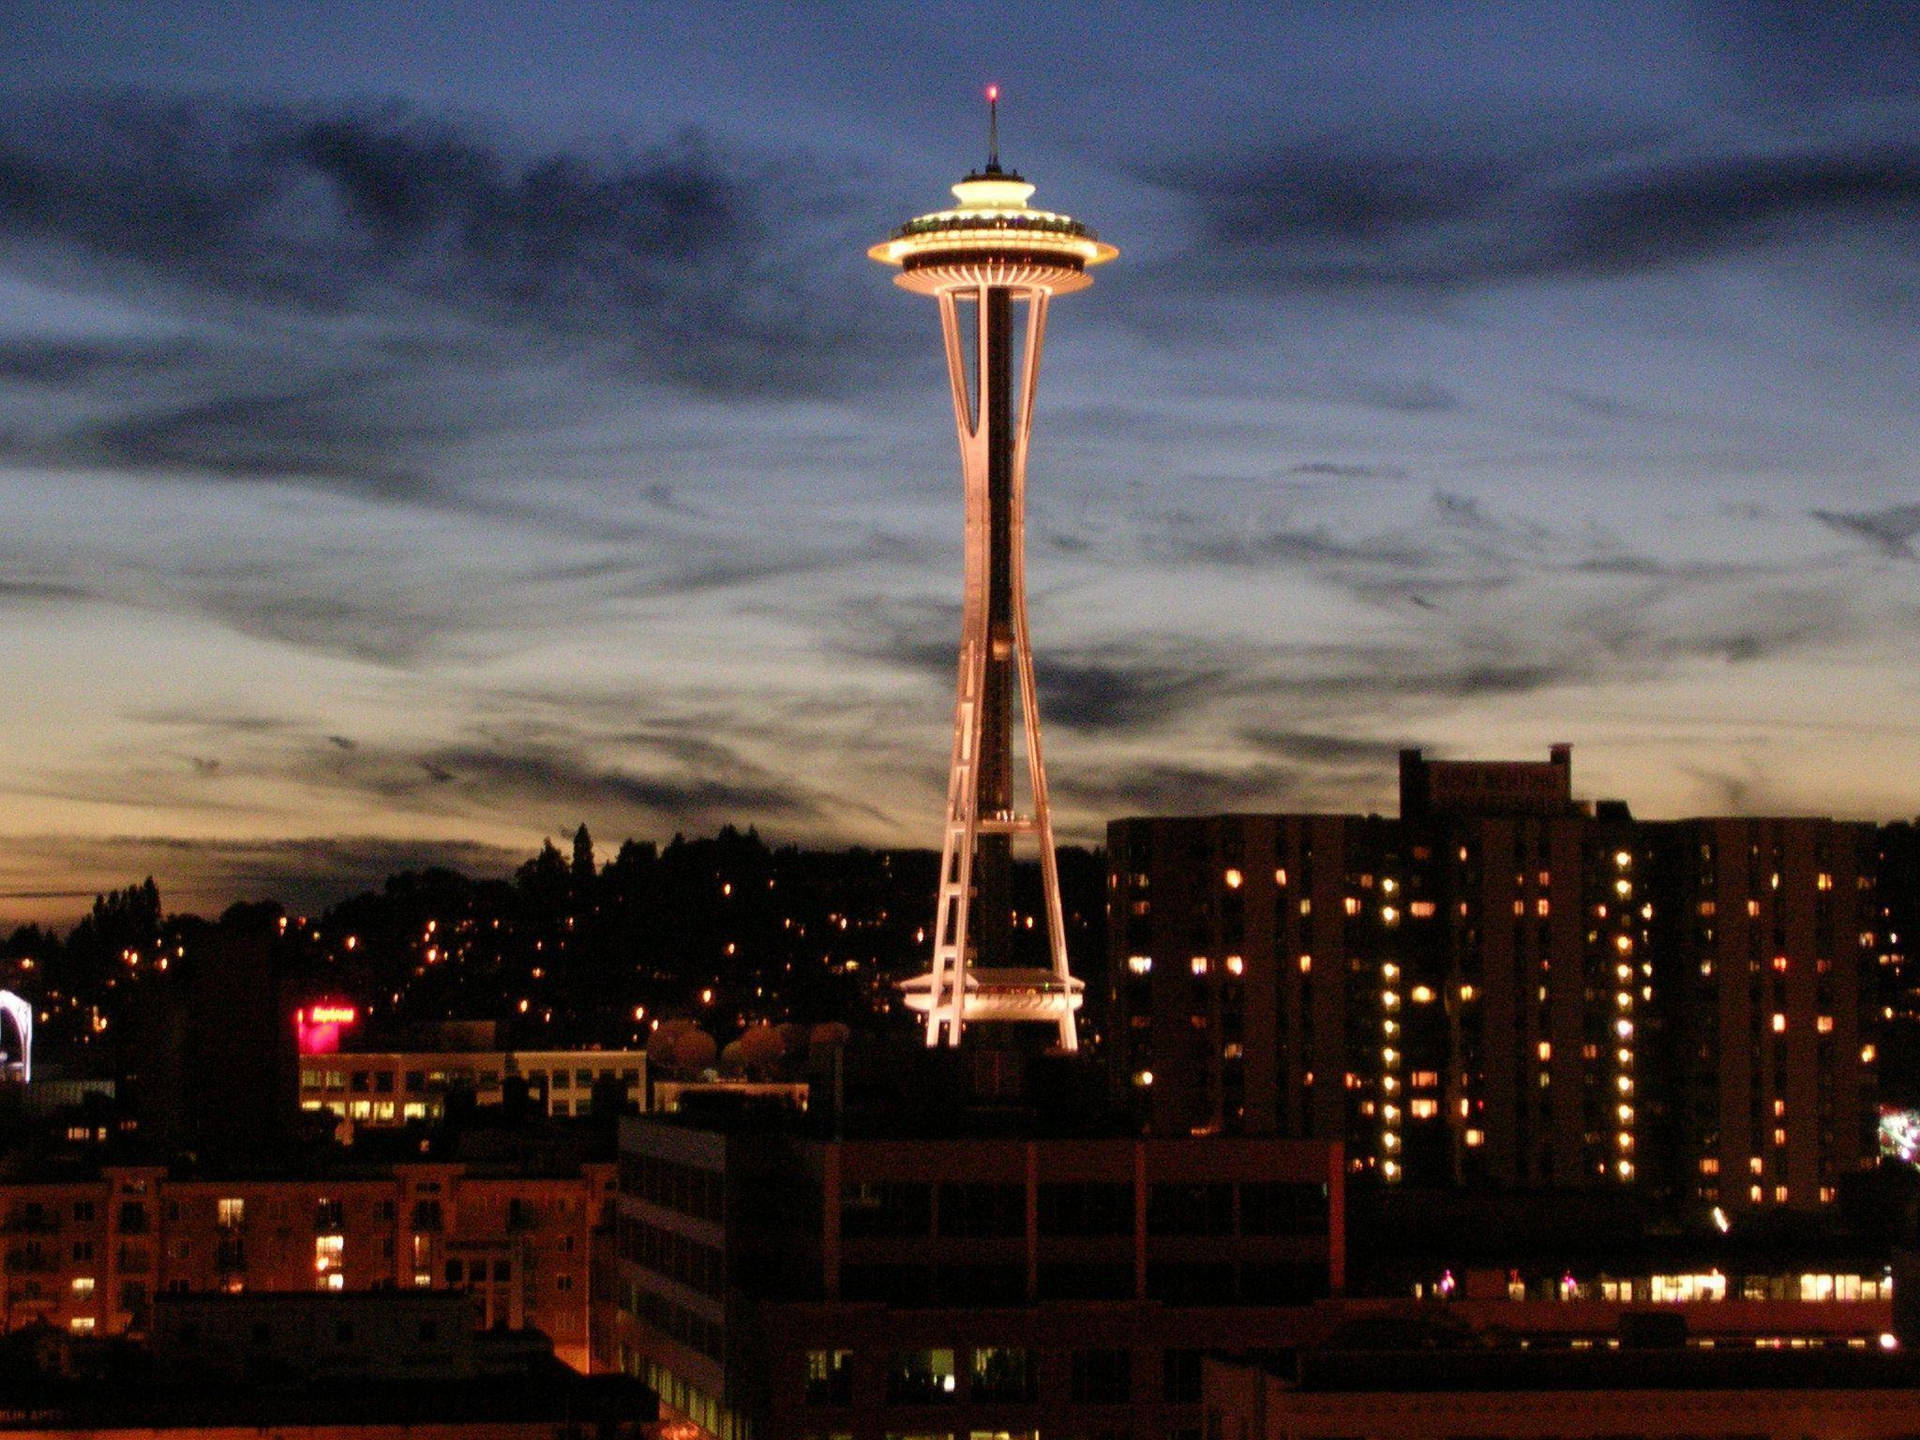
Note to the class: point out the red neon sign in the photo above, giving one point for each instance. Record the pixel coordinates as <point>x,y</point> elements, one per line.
<point>319,1026</point>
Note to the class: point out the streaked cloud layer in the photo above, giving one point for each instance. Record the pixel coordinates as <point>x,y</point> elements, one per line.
<point>413,443</point>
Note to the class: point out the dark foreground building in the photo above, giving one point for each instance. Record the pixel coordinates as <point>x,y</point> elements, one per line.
<point>773,1284</point>
<point>1510,1394</point>
<point>1506,988</point>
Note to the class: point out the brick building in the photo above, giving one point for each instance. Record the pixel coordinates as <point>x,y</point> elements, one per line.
<point>89,1255</point>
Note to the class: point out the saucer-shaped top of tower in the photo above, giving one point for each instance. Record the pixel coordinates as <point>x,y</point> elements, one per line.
<point>993,237</point>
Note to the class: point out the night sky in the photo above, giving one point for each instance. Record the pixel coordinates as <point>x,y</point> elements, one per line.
<point>418,438</point>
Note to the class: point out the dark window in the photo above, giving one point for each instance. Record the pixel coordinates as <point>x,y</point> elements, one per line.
<point>1102,1377</point>
<point>1185,1283</point>
<point>1005,1374</point>
<point>360,1080</point>
<point>429,1331</point>
<point>83,1211</point>
<point>1190,1209</point>
<point>343,1332</point>
<point>829,1377</point>
<point>329,1215</point>
<point>383,1082</point>
<point>1273,1208</point>
<point>886,1209</point>
<point>426,1216</point>
<point>416,1081</point>
<point>456,1272</point>
<point>502,1271</point>
<point>133,1217</point>
<point>983,1210</point>
<point>1086,1209</point>
<point>1181,1377</point>
<point>921,1377</point>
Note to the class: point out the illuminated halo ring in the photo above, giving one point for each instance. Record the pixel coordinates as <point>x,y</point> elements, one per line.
<point>1003,993</point>
<point>993,238</point>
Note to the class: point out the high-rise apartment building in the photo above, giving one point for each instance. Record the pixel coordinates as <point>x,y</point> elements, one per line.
<point>1503,986</point>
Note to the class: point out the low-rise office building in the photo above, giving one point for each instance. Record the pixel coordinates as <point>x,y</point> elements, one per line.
<point>778,1284</point>
<point>388,1088</point>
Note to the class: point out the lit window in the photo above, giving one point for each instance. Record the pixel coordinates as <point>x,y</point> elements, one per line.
<point>1199,964</point>
<point>1475,1138</point>
<point>1235,879</point>
<point>1622,859</point>
<point>1755,1194</point>
<point>1424,1109</point>
<point>1710,1165</point>
<point>81,1324</point>
<point>1779,1022</point>
<point>1422,995</point>
<point>82,1286</point>
<point>1824,1024</point>
<point>1421,909</point>
<point>1280,878</point>
<point>1306,964</point>
<point>1779,1194</point>
<point>1866,1054</point>
<point>1140,964</point>
<point>1466,992</point>
<point>1779,1136</point>
<point>1353,904</point>
<point>1542,906</point>
<point>1755,1165</point>
<point>1544,1050</point>
<point>1143,1078</point>
<point>1236,965</point>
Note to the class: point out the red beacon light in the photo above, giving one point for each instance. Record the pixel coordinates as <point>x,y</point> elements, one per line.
<point>318,1026</point>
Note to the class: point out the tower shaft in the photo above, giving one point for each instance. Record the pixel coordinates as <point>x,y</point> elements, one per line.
<point>993,414</point>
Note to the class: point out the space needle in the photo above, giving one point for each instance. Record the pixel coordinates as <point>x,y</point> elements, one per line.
<point>985,259</point>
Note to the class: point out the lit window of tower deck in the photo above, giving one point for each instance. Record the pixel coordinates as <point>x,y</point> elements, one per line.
<point>988,255</point>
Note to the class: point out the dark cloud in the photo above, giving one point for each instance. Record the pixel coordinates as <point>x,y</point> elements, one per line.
<point>63,363</point>
<point>1341,470</point>
<point>370,290</point>
<point>1319,748</point>
<point>1890,531</point>
<point>318,435</point>
<point>683,255</point>
<point>1315,546</point>
<point>1166,788</point>
<point>1115,695</point>
<point>304,873</point>
<point>1582,209</point>
<point>557,776</point>
<point>31,591</point>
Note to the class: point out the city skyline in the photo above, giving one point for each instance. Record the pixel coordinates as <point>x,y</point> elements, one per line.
<point>414,444</point>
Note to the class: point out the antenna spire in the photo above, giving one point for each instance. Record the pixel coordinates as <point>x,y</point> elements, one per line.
<point>993,129</point>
